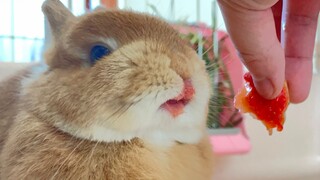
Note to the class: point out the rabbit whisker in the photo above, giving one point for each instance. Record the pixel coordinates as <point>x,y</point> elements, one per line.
<point>120,111</point>
<point>67,158</point>
<point>92,151</point>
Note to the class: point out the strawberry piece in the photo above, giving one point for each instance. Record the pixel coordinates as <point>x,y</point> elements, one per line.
<point>270,112</point>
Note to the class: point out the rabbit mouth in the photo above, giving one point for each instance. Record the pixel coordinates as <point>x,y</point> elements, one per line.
<point>176,105</point>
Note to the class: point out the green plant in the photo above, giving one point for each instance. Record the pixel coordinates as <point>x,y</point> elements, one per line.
<point>223,92</point>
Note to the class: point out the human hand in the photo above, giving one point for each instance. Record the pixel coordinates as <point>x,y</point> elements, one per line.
<point>256,25</point>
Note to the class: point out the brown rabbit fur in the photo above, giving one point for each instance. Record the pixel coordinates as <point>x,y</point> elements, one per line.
<point>103,120</point>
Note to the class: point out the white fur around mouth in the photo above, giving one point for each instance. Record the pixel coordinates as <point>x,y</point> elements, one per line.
<point>157,126</point>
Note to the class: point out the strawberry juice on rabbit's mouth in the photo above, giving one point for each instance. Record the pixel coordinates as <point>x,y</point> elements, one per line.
<point>176,105</point>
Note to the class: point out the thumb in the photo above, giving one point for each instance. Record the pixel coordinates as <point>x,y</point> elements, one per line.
<point>252,29</point>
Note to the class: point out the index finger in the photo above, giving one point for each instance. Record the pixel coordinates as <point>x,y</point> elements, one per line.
<point>298,36</point>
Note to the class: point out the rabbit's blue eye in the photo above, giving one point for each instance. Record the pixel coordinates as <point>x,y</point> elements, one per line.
<point>97,52</point>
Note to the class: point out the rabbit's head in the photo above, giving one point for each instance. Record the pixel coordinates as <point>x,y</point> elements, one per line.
<point>115,75</point>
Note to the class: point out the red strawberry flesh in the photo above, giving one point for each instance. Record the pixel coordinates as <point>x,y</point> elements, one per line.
<point>270,112</point>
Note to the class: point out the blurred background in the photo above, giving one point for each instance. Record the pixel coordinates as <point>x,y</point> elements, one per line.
<point>23,31</point>
<point>23,28</point>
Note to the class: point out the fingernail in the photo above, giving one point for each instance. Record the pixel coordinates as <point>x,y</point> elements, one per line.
<point>265,88</point>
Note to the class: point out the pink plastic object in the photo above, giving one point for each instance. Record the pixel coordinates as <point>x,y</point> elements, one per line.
<point>231,143</point>
<point>225,144</point>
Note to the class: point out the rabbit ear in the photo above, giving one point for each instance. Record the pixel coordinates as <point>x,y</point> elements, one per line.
<point>57,14</point>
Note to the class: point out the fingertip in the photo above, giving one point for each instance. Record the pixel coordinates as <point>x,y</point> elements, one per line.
<point>299,86</point>
<point>267,88</point>
<point>296,99</point>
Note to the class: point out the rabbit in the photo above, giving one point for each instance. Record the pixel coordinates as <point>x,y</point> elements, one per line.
<point>121,96</point>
